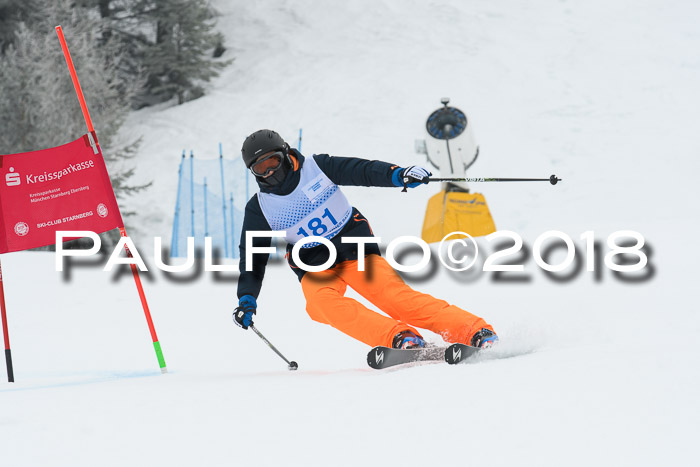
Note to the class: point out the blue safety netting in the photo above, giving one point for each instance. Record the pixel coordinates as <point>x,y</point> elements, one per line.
<point>211,198</point>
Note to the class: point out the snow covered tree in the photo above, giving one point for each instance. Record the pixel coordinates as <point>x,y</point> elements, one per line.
<point>12,13</point>
<point>171,42</point>
<point>179,59</point>
<point>38,106</point>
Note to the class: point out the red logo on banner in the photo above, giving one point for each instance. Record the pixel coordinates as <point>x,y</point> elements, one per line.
<point>62,188</point>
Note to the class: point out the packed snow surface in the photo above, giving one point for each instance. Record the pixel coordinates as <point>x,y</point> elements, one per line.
<point>592,370</point>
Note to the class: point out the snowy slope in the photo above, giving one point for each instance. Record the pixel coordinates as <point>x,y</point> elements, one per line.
<point>604,94</point>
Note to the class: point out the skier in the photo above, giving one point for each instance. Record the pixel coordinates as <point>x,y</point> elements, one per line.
<point>301,196</point>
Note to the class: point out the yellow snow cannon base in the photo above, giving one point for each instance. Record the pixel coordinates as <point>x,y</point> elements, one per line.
<point>454,211</point>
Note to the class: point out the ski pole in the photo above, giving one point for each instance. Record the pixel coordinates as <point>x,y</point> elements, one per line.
<point>553,180</point>
<point>291,365</point>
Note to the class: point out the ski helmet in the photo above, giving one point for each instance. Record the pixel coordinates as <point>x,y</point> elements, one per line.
<point>262,142</point>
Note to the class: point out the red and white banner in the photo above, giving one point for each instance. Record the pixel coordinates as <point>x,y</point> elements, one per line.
<point>62,188</point>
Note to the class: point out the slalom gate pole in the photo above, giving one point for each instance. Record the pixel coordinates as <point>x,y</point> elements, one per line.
<point>174,246</point>
<point>291,365</point>
<point>247,184</point>
<point>74,77</point>
<point>206,222</point>
<point>192,191</point>
<point>78,90</point>
<point>6,333</point>
<point>92,137</point>
<point>146,311</point>
<point>223,200</point>
<point>233,238</point>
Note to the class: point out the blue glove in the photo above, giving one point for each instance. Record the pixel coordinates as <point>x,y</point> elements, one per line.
<point>410,177</point>
<point>243,314</point>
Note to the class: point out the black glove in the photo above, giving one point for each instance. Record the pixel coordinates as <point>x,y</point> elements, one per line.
<point>243,314</point>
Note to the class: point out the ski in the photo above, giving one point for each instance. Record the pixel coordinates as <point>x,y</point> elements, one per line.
<point>385,357</point>
<point>459,353</point>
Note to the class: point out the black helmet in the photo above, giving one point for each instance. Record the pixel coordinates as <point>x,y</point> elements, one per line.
<point>262,142</point>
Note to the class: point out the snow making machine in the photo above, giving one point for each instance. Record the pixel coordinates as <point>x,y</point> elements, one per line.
<point>451,148</point>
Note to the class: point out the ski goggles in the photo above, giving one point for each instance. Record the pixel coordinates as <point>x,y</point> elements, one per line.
<point>271,162</point>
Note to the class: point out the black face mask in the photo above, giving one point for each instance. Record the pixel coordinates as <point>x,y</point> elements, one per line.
<point>277,177</point>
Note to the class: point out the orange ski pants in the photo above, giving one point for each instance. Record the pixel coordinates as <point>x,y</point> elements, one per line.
<point>382,286</point>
